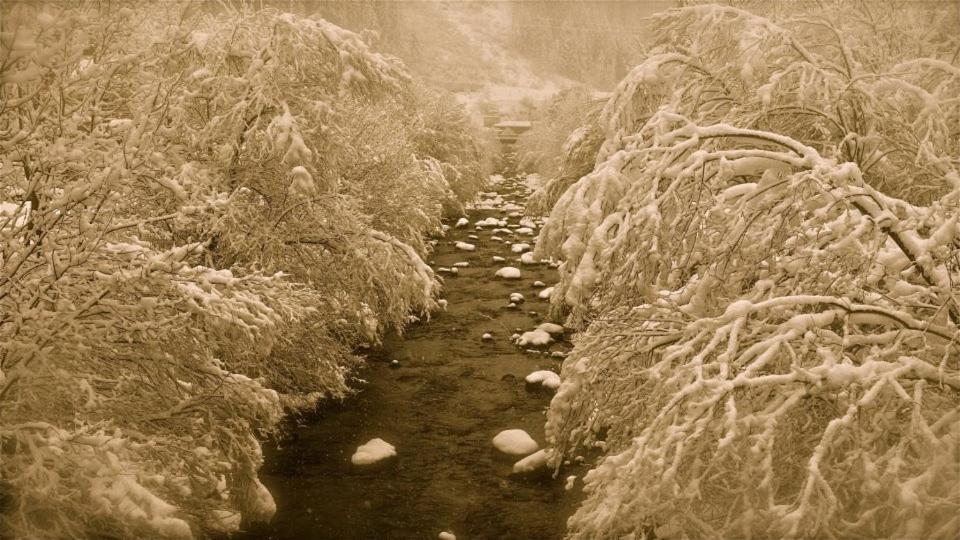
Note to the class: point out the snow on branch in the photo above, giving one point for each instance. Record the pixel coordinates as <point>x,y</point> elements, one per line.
<point>764,265</point>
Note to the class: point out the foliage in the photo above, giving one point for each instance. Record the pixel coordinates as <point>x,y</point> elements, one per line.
<point>764,263</point>
<point>562,146</point>
<point>193,235</point>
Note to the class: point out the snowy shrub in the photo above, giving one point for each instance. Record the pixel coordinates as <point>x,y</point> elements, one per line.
<point>466,152</point>
<point>764,264</point>
<point>562,146</point>
<point>180,258</point>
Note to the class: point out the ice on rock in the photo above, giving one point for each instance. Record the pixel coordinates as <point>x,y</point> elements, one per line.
<point>508,272</point>
<point>520,247</point>
<point>515,442</point>
<point>531,463</point>
<point>545,294</point>
<point>373,451</point>
<point>462,222</point>
<point>546,378</point>
<point>465,246</point>
<point>516,297</point>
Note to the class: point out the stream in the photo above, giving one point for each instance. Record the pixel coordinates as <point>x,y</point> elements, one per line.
<point>440,407</point>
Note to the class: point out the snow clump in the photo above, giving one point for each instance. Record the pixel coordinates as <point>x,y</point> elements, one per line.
<point>516,442</point>
<point>373,451</point>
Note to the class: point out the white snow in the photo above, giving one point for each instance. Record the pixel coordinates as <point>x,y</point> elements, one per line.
<point>546,378</point>
<point>490,222</point>
<point>373,451</point>
<point>515,442</point>
<point>508,272</point>
<point>536,338</point>
<point>533,462</point>
<point>465,246</point>
<point>550,328</point>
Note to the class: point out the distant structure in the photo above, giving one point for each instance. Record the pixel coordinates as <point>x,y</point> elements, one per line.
<point>491,114</point>
<point>508,131</point>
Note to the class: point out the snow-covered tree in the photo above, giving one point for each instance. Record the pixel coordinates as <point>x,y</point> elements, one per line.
<point>185,250</point>
<point>765,265</point>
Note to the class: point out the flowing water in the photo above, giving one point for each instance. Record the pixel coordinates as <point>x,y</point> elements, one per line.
<point>451,393</point>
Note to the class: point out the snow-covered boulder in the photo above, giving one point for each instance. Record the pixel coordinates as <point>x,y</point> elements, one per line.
<point>508,272</point>
<point>527,258</point>
<point>373,451</point>
<point>531,463</point>
<point>550,328</point>
<point>515,442</point>
<point>546,378</point>
<point>535,338</point>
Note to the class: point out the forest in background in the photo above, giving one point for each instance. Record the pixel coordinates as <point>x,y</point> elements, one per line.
<point>586,43</point>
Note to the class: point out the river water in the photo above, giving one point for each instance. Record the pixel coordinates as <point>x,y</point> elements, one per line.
<point>452,392</point>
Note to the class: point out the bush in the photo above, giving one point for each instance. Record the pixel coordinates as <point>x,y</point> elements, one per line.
<point>191,239</point>
<point>561,147</point>
<point>763,264</point>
